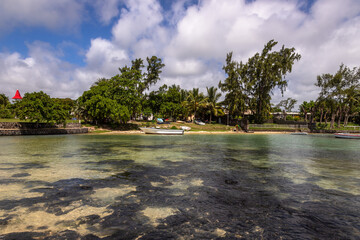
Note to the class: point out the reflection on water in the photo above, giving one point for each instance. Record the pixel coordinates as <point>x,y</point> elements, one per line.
<point>182,187</point>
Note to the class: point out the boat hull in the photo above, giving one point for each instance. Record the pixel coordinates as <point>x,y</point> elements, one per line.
<point>347,135</point>
<point>160,131</point>
<point>299,133</point>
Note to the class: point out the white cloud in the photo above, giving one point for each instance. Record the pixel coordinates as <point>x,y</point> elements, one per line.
<point>52,15</point>
<point>192,41</point>
<point>104,57</point>
<point>137,21</point>
<point>106,10</point>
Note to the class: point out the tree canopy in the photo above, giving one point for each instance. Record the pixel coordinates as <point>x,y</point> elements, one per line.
<point>120,97</point>
<point>40,107</point>
<point>340,93</point>
<point>249,85</point>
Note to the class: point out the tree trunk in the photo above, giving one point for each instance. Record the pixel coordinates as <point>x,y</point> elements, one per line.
<point>339,116</point>
<point>210,117</point>
<point>312,115</point>
<point>346,119</point>
<point>333,115</point>
<point>305,116</point>
<point>321,116</point>
<point>325,117</point>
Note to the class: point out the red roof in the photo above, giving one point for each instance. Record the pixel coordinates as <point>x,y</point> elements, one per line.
<point>17,95</point>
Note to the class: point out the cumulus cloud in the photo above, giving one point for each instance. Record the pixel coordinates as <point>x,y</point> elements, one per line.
<point>325,37</point>
<point>40,71</point>
<point>137,21</point>
<point>192,39</point>
<point>104,57</point>
<point>106,10</point>
<point>52,15</point>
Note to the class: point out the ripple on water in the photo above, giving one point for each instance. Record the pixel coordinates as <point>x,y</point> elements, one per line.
<point>191,187</point>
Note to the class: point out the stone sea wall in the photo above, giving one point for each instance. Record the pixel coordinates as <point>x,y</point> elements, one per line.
<point>28,125</point>
<point>17,128</point>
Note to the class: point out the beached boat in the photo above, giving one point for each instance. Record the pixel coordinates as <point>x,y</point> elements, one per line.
<point>186,128</point>
<point>299,133</point>
<point>161,131</point>
<point>347,135</point>
<point>199,123</point>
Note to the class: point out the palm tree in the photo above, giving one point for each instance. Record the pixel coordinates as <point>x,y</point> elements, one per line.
<point>195,100</point>
<point>212,102</point>
<point>305,108</point>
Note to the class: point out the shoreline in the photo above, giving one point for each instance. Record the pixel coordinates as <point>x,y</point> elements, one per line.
<point>139,132</point>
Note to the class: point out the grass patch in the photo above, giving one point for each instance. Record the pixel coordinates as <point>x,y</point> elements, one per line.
<point>100,131</point>
<point>12,120</point>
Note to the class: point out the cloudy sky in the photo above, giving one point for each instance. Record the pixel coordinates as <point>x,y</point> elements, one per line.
<point>63,46</point>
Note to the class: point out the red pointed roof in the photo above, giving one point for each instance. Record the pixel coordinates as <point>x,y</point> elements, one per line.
<point>17,95</point>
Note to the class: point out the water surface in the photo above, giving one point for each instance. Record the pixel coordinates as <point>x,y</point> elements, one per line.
<point>179,187</point>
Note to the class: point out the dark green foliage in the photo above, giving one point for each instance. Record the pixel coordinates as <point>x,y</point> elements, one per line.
<point>287,105</point>
<point>212,103</point>
<point>40,107</point>
<point>249,85</point>
<point>339,95</point>
<point>167,102</point>
<point>195,100</point>
<point>4,101</point>
<point>5,111</point>
<point>117,99</point>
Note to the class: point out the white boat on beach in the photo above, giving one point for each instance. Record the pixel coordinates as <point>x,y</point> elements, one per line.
<point>299,133</point>
<point>347,135</point>
<point>186,128</point>
<point>162,131</point>
<point>199,123</point>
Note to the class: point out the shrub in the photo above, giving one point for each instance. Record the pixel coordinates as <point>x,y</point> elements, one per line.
<point>297,118</point>
<point>173,127</point>
<point>6,113</point>
<point>289,118</point>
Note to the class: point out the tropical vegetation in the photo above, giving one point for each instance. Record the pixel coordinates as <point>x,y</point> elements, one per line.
<point>247,91</point>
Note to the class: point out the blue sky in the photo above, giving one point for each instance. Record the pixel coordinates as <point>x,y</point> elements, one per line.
<point>63,46</point>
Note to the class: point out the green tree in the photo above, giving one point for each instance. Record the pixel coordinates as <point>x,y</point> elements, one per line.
<point>167,102</point>
<point>305,109</point>
<point>238,96</point>
<point>138,81</point>
<point>195,100</point>
<point>4,101</point>
<point>250,85</point>
<point>40,107</point>
<point>5,112</point>
<point>212,102</point>
<point>339,91</point>
<point>122,96</point>
<point>101,103</point>
<point>286,105</point>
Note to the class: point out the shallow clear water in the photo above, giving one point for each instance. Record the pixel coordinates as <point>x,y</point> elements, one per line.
<point>179,187</point>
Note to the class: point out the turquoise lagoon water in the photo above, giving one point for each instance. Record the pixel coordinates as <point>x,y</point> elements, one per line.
<point>179,187</point>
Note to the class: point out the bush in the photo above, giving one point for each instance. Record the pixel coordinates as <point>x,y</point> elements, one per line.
<point>289,118</point>
<point>321,126</point>
<point>6,113</point>
<point>297,118</point>
<point>173,127</point>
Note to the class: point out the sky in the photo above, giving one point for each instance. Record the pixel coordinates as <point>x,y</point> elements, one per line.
<point>61,47</point>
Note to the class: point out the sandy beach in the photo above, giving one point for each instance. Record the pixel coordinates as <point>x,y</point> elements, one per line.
<point>138,132</point>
